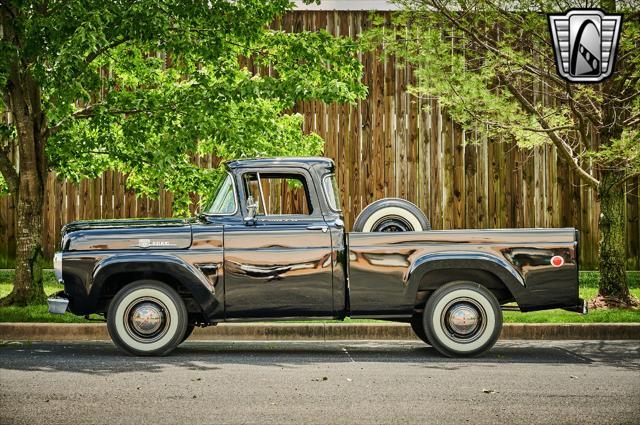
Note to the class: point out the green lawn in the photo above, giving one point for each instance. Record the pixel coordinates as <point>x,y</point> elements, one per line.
<point>588,289</point>
<point>37,313</point>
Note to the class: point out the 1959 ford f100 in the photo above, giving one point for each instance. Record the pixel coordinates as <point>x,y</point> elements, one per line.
<point>257,253</point>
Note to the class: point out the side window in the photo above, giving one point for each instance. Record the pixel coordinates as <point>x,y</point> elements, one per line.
<point>278,193</point>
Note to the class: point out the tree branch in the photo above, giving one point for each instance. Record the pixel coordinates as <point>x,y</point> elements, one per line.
<point>79,113</point>
<point>633,119</point>
<point>506,127</point>
<point>564,149</point>
<point>94,55</point>
<point>624,179</point>
<point>88,112</point>
<point>582,127</point>
<point>485,44</point>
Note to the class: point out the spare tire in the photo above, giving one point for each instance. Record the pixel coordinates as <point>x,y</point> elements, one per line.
<point>391,215</point>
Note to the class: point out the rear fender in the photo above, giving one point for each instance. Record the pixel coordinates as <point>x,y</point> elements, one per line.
<point>497,266</point>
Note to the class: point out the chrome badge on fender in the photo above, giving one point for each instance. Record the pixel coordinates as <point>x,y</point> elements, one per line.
<point>148,243</point>
<point>585,43</point>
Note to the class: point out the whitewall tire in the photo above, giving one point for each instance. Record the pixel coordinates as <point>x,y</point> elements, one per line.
<point>147,318</point>
<point>391,215</point>
<point>462,319</point>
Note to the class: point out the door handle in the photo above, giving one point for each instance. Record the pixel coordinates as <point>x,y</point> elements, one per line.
<point>318,227</point>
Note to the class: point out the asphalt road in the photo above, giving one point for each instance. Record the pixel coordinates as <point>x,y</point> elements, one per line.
<point>553,382</point>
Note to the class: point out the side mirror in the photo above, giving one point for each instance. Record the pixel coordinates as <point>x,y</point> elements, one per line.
<point>252,209</point>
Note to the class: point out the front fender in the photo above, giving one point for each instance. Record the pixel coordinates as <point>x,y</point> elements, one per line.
<point>160,263</point>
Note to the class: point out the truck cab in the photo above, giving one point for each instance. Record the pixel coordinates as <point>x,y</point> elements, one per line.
<point>283,230</point>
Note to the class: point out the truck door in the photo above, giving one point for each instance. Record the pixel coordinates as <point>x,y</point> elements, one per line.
<point>280,265</point>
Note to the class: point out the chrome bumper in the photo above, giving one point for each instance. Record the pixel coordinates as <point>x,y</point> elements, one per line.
<point>57,265</point>
<point>57,305</point>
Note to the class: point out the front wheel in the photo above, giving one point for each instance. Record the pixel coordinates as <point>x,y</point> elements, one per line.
<point>418,329</point>
<point>462,319</point>
<point>147,318</point>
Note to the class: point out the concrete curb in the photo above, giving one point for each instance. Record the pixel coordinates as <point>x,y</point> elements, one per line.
<point>320,331</point>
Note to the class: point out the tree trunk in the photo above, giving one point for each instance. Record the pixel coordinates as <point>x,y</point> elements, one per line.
<point>27,286</point>
<point>613,288</point>
<point>26,109</point>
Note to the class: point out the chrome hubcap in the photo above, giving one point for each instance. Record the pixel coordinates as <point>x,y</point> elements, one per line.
<point>464,319</point>
<point>146,320</point>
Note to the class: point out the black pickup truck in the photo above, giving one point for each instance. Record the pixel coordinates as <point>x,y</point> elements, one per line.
<point>259,253</point>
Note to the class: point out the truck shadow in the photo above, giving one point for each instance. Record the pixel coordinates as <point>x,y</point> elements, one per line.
<point>102,358</point>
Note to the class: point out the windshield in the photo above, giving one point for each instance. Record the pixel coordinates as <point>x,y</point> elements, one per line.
<point>225,200</point>
<point>331,191</point>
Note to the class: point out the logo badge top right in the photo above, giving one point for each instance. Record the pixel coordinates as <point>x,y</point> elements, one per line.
<point>585,42</point>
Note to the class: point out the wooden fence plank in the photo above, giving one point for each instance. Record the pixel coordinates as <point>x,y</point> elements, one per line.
<point>437,136</point>
<point>457,187</point>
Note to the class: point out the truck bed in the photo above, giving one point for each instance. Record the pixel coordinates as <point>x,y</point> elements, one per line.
<point>387,270</point>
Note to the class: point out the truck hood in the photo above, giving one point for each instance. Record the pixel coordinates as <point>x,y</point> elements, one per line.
<point>148,234</point>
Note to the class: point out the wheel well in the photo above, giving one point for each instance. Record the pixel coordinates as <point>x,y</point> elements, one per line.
<point>435,279</point>
<point>117,281</point>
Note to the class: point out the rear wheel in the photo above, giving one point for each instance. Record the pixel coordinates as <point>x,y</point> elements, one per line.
<point>391,215</point>
<point>147,318</point>
<point>462,319</point>
<point>188,332</point>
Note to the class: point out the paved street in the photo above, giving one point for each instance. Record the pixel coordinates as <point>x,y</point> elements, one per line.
<point>553,382</point>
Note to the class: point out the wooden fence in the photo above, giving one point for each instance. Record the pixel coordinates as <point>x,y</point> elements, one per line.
<point>389,145</point>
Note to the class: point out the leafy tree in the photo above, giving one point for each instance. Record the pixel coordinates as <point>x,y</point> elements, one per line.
<point>487,63</point>
<point>140,86</point>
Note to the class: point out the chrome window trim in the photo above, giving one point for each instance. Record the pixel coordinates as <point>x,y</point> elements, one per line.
<point>235,199</point>
<point>326,195</point>
<point>264,205</point>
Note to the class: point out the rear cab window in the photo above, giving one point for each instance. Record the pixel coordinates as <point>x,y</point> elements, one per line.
<point>331,192</point>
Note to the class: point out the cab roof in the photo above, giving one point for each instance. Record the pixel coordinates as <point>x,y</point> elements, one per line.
<point>303,162</point>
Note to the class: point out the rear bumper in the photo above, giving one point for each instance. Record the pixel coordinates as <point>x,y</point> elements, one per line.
<point>581,307</point>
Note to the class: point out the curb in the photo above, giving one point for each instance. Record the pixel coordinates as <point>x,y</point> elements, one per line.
<point>321,331</point>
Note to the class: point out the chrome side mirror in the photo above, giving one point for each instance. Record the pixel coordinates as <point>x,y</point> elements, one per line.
<point>252,209</point>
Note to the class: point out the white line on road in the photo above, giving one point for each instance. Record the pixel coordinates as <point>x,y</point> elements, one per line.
<point>348,355</point>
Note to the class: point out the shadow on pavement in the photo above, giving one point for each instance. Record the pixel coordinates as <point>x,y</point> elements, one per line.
<point>102,358</point>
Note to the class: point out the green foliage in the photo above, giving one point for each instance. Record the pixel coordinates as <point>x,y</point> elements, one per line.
<point>492,69</point>
<point>3,186</point>
<point>141,87</point>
